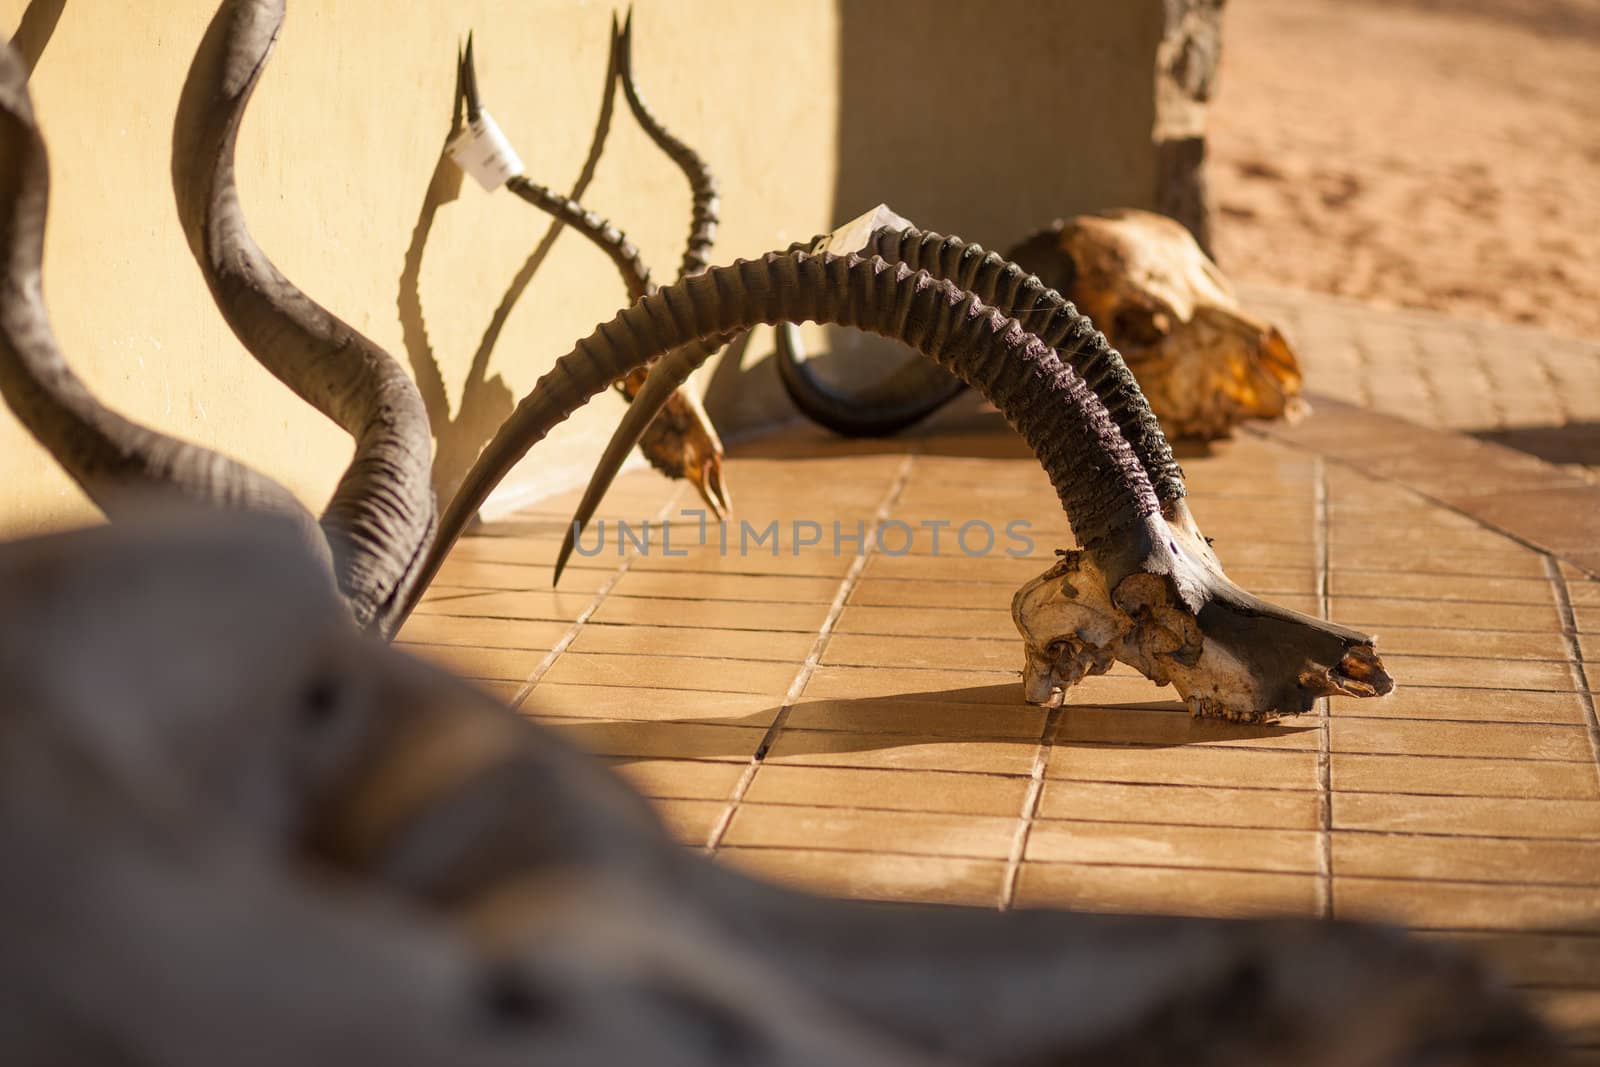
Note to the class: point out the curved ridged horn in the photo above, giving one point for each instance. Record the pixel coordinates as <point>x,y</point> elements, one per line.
<point>702,183</point>
<point>419,875</point>
<point>382,515</point>
<point>1041,310</point>
<point>601,233</point>
<point>106,454</point>
<point>907,396</point>
<point>679,438</point>
<point>1143,591</point>
<point>851,291</point>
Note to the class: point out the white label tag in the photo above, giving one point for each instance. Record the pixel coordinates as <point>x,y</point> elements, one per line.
<point>854,235</point>
<point>483,152</point>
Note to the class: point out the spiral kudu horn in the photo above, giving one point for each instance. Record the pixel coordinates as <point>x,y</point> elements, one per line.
<point>381,517</point>
<point>113,459</point>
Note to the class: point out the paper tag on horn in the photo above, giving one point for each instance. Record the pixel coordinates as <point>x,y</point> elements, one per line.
<point>854,235</point>
<point>483,151</point>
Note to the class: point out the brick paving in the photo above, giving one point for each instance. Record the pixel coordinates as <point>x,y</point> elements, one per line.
<point>1522,387</point>
<point>853,723</point>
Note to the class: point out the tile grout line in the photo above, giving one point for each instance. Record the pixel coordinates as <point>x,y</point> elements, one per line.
<point>1030,810</point>
<point>808,666</point>
<point>561,646</point>
<point>1384,832</point>
<point>1197,868</point>
<point>1575,664</point>
<point>944,608</point>
<point>1354,464</point>
<point>1321,536</point>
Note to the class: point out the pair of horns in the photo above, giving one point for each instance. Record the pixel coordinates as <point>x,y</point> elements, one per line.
<point>381,517</point>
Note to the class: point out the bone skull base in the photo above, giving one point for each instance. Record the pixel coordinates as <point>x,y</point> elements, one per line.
<point>1228,655</point>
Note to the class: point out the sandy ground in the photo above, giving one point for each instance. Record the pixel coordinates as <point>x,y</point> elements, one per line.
<point>1438,154</point>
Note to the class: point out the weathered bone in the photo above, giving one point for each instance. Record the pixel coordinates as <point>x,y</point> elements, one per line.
<point>1256,660</point>
<point>1226,660</point>
<point>1204,363</point>
<point>680,441</point>
<point>418,876</point>
<point>382,514</point>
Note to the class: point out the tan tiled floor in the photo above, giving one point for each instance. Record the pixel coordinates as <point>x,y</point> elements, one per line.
<point>854,723</point>
<point>1532,390</point>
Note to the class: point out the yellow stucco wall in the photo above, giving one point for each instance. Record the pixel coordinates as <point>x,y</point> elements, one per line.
<point>338,163</point>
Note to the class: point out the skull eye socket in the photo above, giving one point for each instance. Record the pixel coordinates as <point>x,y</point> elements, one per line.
<point>321,700</point>
<point>1136,325</point>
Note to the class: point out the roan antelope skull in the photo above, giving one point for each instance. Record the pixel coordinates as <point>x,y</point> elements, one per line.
<point>1145,588</point>
<point>238,831</point>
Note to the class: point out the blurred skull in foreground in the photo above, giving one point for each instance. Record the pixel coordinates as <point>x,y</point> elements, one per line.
<point>235,830</point>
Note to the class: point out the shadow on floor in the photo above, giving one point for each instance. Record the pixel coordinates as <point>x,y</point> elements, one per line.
<point>1576,442</point>
<point>967,426</point>
<point>842,725</point>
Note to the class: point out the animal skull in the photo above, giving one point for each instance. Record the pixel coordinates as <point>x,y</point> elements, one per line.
<point>1227,653</point>
<point>1204,362</point>
<point>1063,388</point>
